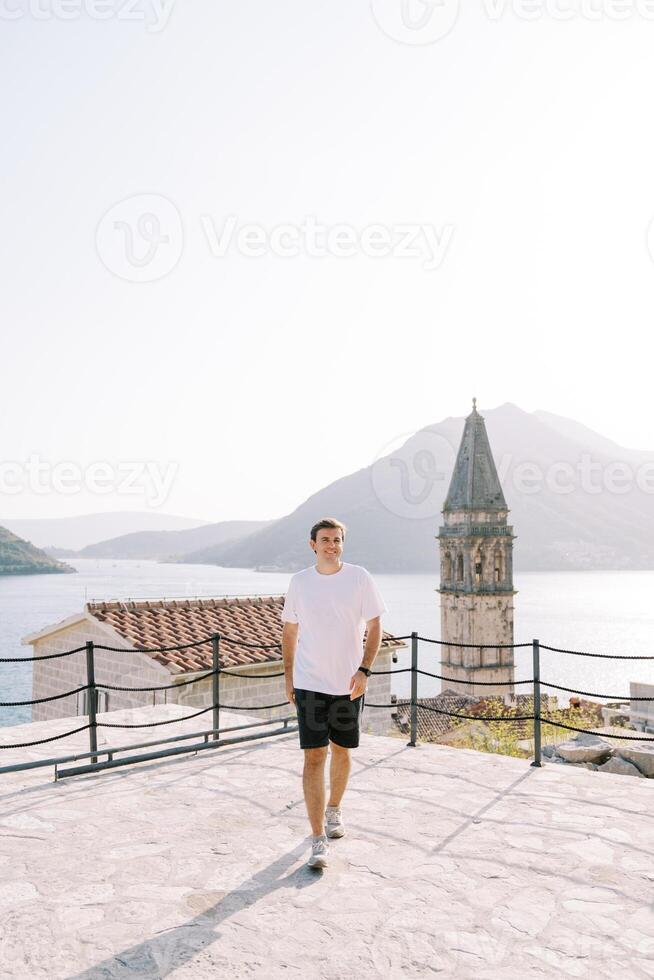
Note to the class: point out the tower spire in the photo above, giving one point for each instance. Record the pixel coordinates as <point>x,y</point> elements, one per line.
<point>475,484</point>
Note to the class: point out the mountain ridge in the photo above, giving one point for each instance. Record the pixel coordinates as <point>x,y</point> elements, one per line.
<point>73,533</point>
<point>20,557</point>
<point>582,527</point>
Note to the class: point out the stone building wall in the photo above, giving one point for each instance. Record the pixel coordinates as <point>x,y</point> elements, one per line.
<point>128,668</point>
<point>641,713</point>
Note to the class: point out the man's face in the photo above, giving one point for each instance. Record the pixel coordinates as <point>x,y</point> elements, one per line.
<point>328,544</point>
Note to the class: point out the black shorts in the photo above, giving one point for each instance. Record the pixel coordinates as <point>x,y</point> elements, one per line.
<point>325,717</point>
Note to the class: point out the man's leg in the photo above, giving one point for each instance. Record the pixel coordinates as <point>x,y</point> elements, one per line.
<point>339,773</point>
<point>313,782</point>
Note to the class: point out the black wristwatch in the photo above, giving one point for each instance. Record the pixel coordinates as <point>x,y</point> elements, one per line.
<point>366,671</point>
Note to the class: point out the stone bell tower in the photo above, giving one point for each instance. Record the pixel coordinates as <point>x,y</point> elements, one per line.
<point>476,555</point>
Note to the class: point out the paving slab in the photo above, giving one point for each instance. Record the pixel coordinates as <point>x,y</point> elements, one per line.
<point>455,864</point>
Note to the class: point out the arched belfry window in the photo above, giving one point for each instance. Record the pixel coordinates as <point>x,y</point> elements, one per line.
<point>447,567</point>
<point>479,568</point>
<point>459,568</point>
<point>499,566</point>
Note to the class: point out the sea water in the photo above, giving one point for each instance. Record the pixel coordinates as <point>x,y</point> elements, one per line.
<point>600,612</point>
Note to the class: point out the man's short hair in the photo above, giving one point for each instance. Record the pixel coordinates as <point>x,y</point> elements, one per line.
<point>327,522</point>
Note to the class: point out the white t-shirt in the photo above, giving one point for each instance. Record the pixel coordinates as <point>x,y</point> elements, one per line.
<point>332,611</point>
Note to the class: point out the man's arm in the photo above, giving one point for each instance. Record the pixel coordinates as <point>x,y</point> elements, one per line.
<point>373,641</point>
<point>289,645</point>
<point>371,649</point>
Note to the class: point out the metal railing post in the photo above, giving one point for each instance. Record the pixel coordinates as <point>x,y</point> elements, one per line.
<point>90,699</point>
<point>215,647</point>
<point>537,732</point>
<point>414,689</point>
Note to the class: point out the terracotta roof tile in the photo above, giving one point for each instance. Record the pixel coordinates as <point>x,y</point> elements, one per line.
<point>430,723</point>
<point>151,624</point>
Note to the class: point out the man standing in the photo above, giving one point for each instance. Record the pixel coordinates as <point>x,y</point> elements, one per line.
<point>327,609</point>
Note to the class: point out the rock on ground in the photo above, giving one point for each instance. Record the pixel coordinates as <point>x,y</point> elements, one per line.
<point>642,757</point>
<point>620,767</point>
<point>585,748</point>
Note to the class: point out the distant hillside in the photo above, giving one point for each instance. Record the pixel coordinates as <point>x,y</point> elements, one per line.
<point>60,552</point>
<point>392,508</point>
<point>170,545</point>
<point>239,530</point>
<point>74,533</point>
<point>18,557</point>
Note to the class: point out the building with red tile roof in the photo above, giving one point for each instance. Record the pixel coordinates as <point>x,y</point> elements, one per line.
<point>134,645</point>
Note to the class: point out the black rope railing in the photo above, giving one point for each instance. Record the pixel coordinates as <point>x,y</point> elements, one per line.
<point>42,741</point>
<point>254,677</point>
<point>453,714</point>
<point>586,731</point>
<point>166,687</point>
<point>44,656</point>
<point>181,646</point>
<point>601,656</point>
<point>474,646</point>
<point>211,707</point>
<point>53,697</point>
<point>172,649</point>
<point>456,680</point>
<point>413,703</point>
<point>590,694</point>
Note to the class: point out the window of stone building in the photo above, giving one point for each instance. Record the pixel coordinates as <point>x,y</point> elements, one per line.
<point>101,702</point>
<point>499,566</point>
<point>459,568</point>
<point>447,567</point>
<point>478,568</point>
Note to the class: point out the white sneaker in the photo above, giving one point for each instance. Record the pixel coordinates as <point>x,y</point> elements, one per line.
<point>319,853</point>
<point>334,822</point>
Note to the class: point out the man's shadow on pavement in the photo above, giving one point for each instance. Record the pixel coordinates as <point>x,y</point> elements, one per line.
<point>155,958</point>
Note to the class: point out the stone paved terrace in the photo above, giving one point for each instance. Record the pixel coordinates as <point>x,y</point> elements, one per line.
<point>455,864</point>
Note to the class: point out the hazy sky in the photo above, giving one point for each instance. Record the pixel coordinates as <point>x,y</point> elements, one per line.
<point>512,158</point>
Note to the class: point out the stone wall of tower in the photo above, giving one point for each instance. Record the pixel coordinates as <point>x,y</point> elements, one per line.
<point>482,619</point>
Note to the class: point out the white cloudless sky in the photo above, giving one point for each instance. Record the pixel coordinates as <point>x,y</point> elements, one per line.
<point>261,379</point>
